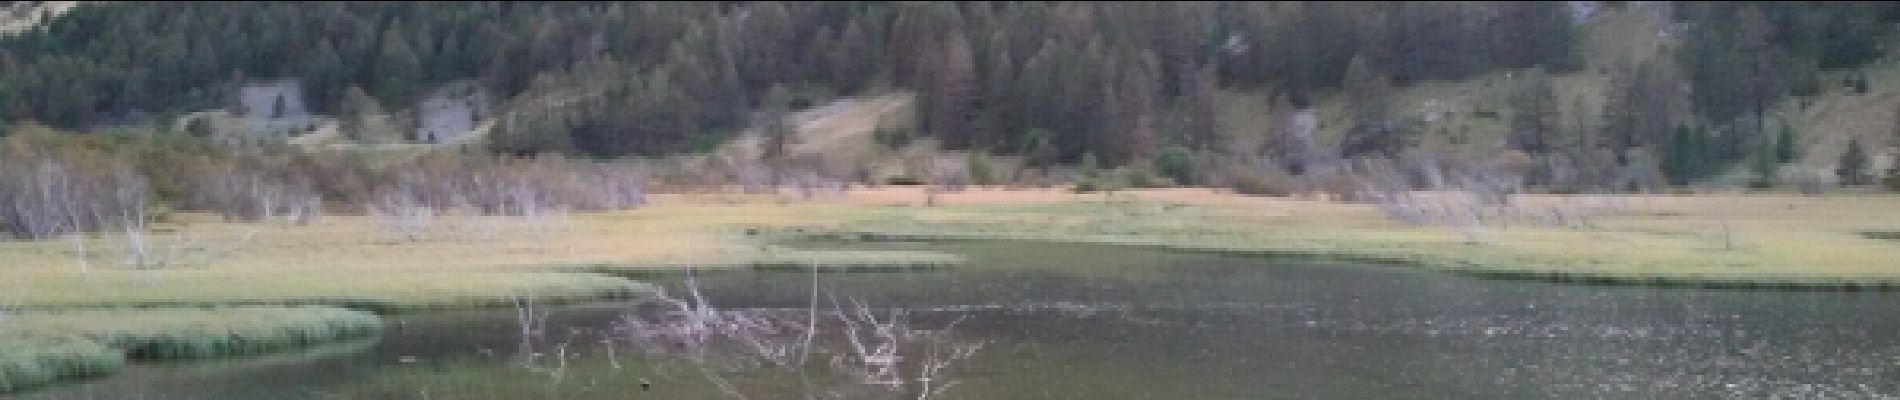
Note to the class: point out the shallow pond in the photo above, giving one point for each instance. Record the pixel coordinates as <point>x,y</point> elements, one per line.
<point>1093,322</point>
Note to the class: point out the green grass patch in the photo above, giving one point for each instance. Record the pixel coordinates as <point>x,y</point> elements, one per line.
<point>1780,243</point>
<point>30,360</point>
<point>383,292</point>
<point>197,333</point>
<point>1881,235</point>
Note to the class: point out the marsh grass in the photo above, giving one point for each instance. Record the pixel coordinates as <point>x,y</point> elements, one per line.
<point>32,360</point>
<point>196,333</point>
<point>379,291</point>
<point>1882,235</point>
<point>39,347</point>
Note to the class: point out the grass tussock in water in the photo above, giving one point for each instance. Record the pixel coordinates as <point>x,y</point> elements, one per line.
<point>174,334</point>
<point>30,360</point>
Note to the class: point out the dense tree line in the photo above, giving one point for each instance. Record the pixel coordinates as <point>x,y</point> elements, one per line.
<point>1051,80</point>
<point>1741,59</point>
<point>1116,79</point>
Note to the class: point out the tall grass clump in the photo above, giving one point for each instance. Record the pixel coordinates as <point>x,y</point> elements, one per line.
<point>29,360</point>
<point>176,334</point>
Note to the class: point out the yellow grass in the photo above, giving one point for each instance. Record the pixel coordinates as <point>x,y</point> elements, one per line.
<point>350,260</point>
<point>344,260</point>
<point>181,333</point>
<point>1776,238</point>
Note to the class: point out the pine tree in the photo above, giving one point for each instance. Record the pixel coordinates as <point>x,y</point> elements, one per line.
<point>1001,98</point>
<point>954,93</point>
<point>1764,64</point>
<point>1199,99</point>
<point>981,172</point>
<point>199,127</point>
<point>398,71</point>
<point>1893,138</point>
<point>1785,150</point>
<point>1853,167</point>
<point>851,58</point>
<point>777,131</point>
<point>357,111</point>
<point>1088,176</point>
<point>1368,93</point>
<point>1534,123</point>
<point>1766,162</point>
<point>1682,157</point>
<point>1039,148</point>
<point>1177,163</point>
<point>325,75</point>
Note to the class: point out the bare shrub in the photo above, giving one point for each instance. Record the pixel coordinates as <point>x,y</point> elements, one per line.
<point>253,192</point>
<point>1471,196</point>
<point>1263,177</point>
<point>466,193</point>
<point>872,347</point>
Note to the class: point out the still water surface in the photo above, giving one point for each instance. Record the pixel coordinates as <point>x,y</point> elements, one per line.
<point>1093,322</point>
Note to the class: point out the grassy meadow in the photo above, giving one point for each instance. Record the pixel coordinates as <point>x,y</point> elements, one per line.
<point>1763,240</point>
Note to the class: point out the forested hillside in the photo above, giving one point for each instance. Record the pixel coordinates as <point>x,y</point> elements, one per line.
<point>1051,81</point>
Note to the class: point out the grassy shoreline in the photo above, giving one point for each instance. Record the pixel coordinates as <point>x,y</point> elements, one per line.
<point>1773,242</point>
<point>1438,262</point>
<point>42,347</point>
<point>294,286</point>
<point>29,361</point>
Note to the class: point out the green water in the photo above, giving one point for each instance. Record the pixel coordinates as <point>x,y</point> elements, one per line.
<point>1092,322</point>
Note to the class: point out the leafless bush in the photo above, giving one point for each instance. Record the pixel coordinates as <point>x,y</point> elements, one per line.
<point>753,178</point>
<point>467,192</point>
<point>876,348</point>
<point>1472,197</point>
<point>403,215</point>
<point>254,193</point>
<point>1263,177</point>
<point>47,196</point>
<point>1809,182</point>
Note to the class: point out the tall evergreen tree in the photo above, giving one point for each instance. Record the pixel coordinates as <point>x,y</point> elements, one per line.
<point>1853,164</point>
<point>1683,156</point>
<point>953,93</point>
<point>1765,163</point>
<point>1534,123</point>
<point>398,71</point>
<point>1373,129</point>
<point>323,78</point>
<point>1785,150</point>
<point>775,128</point>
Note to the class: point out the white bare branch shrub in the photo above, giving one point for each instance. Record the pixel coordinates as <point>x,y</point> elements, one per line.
<point>474,198</point>
<point>252,192</point>
<point>52,194</point>
<point>1472,197</point>
<point>872,348</point>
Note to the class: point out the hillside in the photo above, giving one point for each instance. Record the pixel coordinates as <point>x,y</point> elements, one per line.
<point>1473,116</point>
<point>21,16</point>
<point>1051,83</point>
